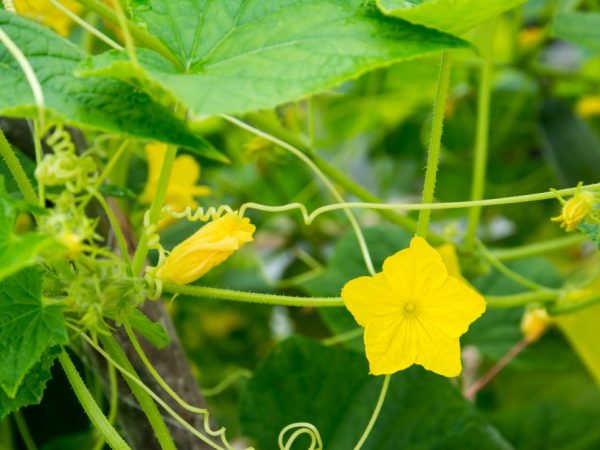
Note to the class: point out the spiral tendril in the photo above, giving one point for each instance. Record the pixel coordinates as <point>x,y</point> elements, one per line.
<point>316,443</point>
<point>199,214</point>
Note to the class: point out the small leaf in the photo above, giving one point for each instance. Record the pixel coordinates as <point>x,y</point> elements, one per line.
<point>582,28</point>
<point>451,16</point>
<point>111,190</point>
<point>28,326</point>
<point>33,386</point>
<point>107,105</point>
<point>303,381</point>
<point>153,332</point>
<point>246,55</point>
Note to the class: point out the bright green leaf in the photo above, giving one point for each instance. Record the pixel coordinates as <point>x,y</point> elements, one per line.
<point>33,386</point>
<point>583,28</point>
<point>244,55</point>
<point>153,332</point>
<point>451,16</point>
<point>106,105</point>
<point>28,326</point>
<point>303,381</point>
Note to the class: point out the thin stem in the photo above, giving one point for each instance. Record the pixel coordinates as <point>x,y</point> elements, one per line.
<point>16,170</point>
<point>118,357</point>
<point>540,248</point>
<point>37,143</point>
<point>516,300</point>
<point>138,33</point>
<point>343,337</point>
<point>124,25</point>
<point>252,297</point>
<point>574,307</point>
<point>328,184</point>
<point>90,407</point>
<point>155,208</point>
<point>6,434</point>
<point>114,223</point>
<point>482,136</point>
<point>228,381</point>
<point>376,411</point>
<point>435,144</point>
<point>24,431</point>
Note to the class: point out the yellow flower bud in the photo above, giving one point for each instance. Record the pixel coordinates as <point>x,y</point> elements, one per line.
<point>534,324</point>
<point>206,248</point>
<point>588,106</point>
<point>576,210</point>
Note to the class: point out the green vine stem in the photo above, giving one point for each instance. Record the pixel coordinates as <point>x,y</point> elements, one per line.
<point>376,411</point>
<point>516,300</point>
<point>540,248</point>
<point>6,434</point>
<point>138,33</point>
<point>482,135</point>
<point>16,169</point>
<point>145,401</point>
<point>155,208</point>
<point>435,144</point>
<point>90,407</point>
<point>24,431</point>
<point>574,307</point>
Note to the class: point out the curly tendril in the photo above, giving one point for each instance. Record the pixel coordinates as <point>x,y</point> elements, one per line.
<point>316,443</point>
<point>154,283</point>
<point>199,214</point>
<point>9,6</point>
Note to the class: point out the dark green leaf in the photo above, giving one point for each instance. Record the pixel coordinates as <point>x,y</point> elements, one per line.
<point>28,326</point>
<point>452,16</point>
<point>334,392</point>
<point>111,190</point>
<point>583,28</point>
<point>98,103</point>
<point>245,55</point>
<point>33,386</point>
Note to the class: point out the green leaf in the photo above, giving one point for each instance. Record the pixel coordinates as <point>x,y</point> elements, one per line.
<point>107,105</point>
<point>153,332</point>
<point>334,392</point>
<point>28,326</point>
<point>23,250</point>
<point>451,16</point>
<point>245,55</point>
<point>33,386</point>
<point>583,28</point>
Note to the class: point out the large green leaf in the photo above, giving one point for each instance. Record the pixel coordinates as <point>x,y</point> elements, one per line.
<point>243,55</point>
<point>18,251</point>
<point>28,326</point>
<point>583,28</point>
<point>302,381</point>
<point>99,103</point>
<point>452,16</point>
<point>32,388</point>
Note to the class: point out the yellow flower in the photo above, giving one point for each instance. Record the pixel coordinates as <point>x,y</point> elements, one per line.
<point>575,210</point>
<point>588,106</point>
<point>182,187</point>
<point>413,312</point>
<point>534,324</point>
<point>206,248</point>
<point>45,12</point>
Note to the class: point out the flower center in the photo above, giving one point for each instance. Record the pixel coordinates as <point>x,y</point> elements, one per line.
<point>409,307</point>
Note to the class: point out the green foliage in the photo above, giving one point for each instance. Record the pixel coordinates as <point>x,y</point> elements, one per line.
<point>32,388</point>
<point>332,390</point>
<point>18,250</point>
<point>239,56</point>
<point>452,16</point>
<point>28,326</point>
<point>101,104</point>
<point>153,332</point>
<point>582,28</point>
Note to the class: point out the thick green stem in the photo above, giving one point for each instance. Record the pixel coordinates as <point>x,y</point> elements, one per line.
<point>155,208</point>
<point>145,401</point>
<point>538,248</point>
<point>516,300</point>
<point>6,434</point>
<point>90,407</point>
<point>16,169</point>
<point>435,144</point>
<point>138,33</point>
<point>252,297</point>
<point>482,137</point>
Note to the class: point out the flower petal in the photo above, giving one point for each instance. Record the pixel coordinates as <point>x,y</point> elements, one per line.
<point>436,350</point>
<point>390,345</point>
<point>370,298</point>
<point>186,171</point>
<point>452,307</point>
<point>414,272</point>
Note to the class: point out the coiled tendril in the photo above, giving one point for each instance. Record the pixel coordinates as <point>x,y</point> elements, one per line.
<point>316,443</point>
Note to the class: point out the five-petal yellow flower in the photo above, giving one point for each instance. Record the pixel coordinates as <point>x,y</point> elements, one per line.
<point>206,248</point>
<point>413,312</point>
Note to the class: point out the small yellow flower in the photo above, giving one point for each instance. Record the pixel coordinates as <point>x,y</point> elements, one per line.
<point>575,210</point>
<point>206,248</point>
<point>413,312</point>
<point>45,12</point>
<point>534,324</point>
<point>529,37</point>
<point>588,106</point>
<point>182,188</point>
